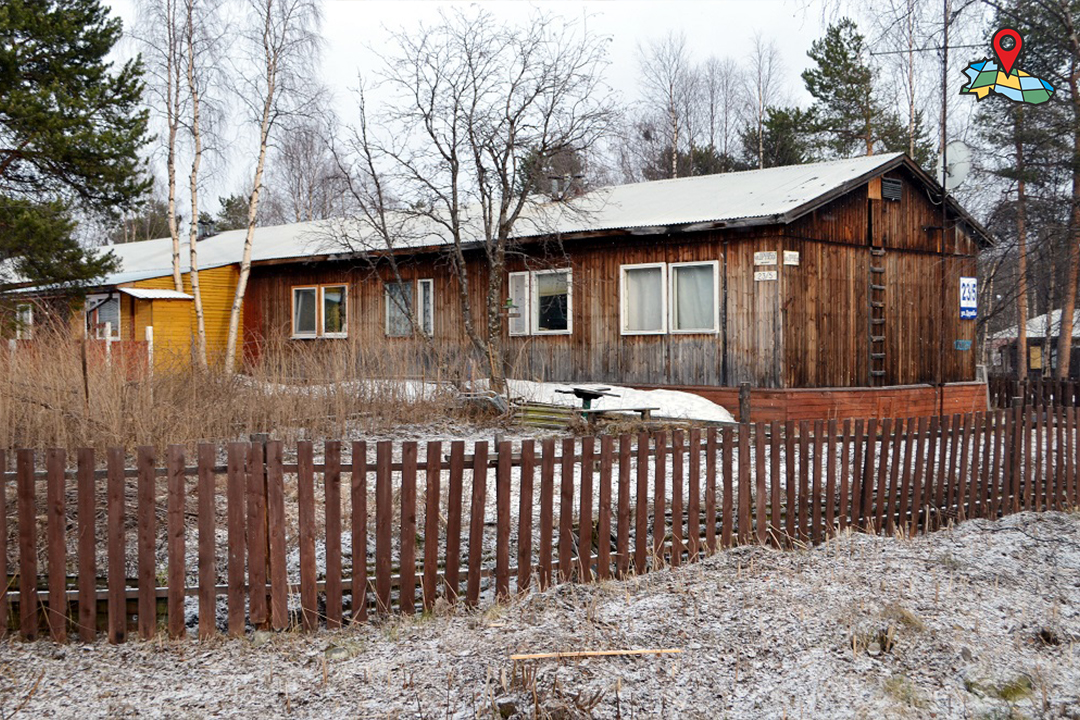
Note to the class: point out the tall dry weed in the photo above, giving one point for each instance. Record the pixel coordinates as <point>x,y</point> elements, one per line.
<point>51,397</point>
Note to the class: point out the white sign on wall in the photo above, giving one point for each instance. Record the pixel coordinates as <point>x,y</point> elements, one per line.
<point>766,257</point>
<point>791,257</point>
<point>761,275</point>
<point>969,298</point>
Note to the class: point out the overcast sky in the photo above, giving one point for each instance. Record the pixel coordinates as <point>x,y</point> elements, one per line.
<point>356,30</point>
<point>711,28</point>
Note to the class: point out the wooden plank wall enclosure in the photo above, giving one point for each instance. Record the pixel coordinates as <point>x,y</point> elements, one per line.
<point>497,519</point>
<point>768,404</point>
<point>807,329</point>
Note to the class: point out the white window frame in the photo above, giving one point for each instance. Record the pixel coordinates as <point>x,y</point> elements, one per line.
<point>526,308</point>
<point>674,306</point>
<point>534,301</point>
<point>99,328</point>
<point>292,317</point>
<point>425,286</point>
<point>24,330</point>
<point>320,295</point>
<point>663,298</point>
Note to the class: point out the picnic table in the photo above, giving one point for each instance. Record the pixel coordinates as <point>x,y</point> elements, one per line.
<point>588,394</point>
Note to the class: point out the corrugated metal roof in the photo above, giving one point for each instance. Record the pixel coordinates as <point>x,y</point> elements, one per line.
<point>152,294</point>
<point>1048,324</point>
<point>724,198</point>
<point>753,197</point>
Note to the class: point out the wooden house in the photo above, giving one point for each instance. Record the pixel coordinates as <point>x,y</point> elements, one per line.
<point>831,288</point>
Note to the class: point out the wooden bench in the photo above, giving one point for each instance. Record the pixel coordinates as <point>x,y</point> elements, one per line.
<point>644,412</point>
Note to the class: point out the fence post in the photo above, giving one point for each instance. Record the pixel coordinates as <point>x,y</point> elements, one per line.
<point>1017,453</point>
<point>150,350</point>
<point>744,402</point>
<point>108,344</point>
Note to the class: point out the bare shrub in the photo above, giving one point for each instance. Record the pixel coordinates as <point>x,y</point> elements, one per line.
<point>50,397</point>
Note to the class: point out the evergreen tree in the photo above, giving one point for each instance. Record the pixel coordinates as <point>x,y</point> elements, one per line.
<point>848,116</point>
<point>786,139</point>
<point>37,245</point>
<point>698,161</point>
<point>70,132</point>
<point>69,126</point>
<point>233,214</point>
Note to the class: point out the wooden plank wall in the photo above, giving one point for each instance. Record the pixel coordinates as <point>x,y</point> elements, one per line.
<point>767,404</point>
<point>904,474</point>
<point>809,328</point>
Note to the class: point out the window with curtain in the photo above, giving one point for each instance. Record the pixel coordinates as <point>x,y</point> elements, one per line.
<point>552,305</point>
<point>399,304</point>
<point>426,291</point>
<point>693,297</point>
<point>334,306</point>
<point>304,311</point>
<point>519,299</point>
<point>643,306</point>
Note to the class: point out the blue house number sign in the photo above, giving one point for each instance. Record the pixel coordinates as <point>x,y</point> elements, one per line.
<point>969,298</point>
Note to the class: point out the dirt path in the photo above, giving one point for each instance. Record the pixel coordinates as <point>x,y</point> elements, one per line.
<point>981,621</point>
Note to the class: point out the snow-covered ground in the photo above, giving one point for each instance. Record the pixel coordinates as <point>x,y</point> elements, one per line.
<point>981,621</point>
<point>669,403</point>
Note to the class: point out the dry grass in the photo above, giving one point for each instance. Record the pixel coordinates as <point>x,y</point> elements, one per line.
<point>50,398</point>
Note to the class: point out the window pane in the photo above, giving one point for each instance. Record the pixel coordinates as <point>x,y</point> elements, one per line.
<point>552,298</point>
<point>399,302</point>
<point>109,312</point>
<point>519,297</point>
<point>427,311</point>
<point>693,294</point>
<point>644,299</point>
<point>304,311</point>
<point>334,309</point>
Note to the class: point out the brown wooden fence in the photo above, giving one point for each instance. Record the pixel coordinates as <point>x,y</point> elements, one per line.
<point>475,524</point>
<point>1033,392</point>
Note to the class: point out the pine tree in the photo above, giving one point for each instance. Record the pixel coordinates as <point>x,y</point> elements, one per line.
<point>848,116</point>
<point>69,126</point>
<point>70,132</point>
<point>785,140</point>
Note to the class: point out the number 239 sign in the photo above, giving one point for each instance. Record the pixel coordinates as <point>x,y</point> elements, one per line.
<point>969,298</point>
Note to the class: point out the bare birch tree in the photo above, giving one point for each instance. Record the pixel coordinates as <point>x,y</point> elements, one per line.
<point>764,78</point>
<point>667,82</point>
<point>721,81</point>
<point>159,30</point>
<point>474,105</point>
<point>203,29</point>
<point>282,46</point>
<point>304,181</point>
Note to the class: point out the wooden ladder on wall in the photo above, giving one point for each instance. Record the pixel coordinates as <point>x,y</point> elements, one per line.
<point>877,317</point>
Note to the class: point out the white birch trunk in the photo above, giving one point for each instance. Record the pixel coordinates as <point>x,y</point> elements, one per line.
<point>193,234</point>
<point>253,208</point>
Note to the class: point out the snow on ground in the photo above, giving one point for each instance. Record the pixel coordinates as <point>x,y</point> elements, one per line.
<point>981,621</point>
<point>670,403</point>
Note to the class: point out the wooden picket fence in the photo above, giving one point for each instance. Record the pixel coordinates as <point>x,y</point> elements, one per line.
<point>564,510</point>
<point>1032,392</point>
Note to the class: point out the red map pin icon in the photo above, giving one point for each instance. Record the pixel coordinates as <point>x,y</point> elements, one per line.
<point>1007,57</point>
